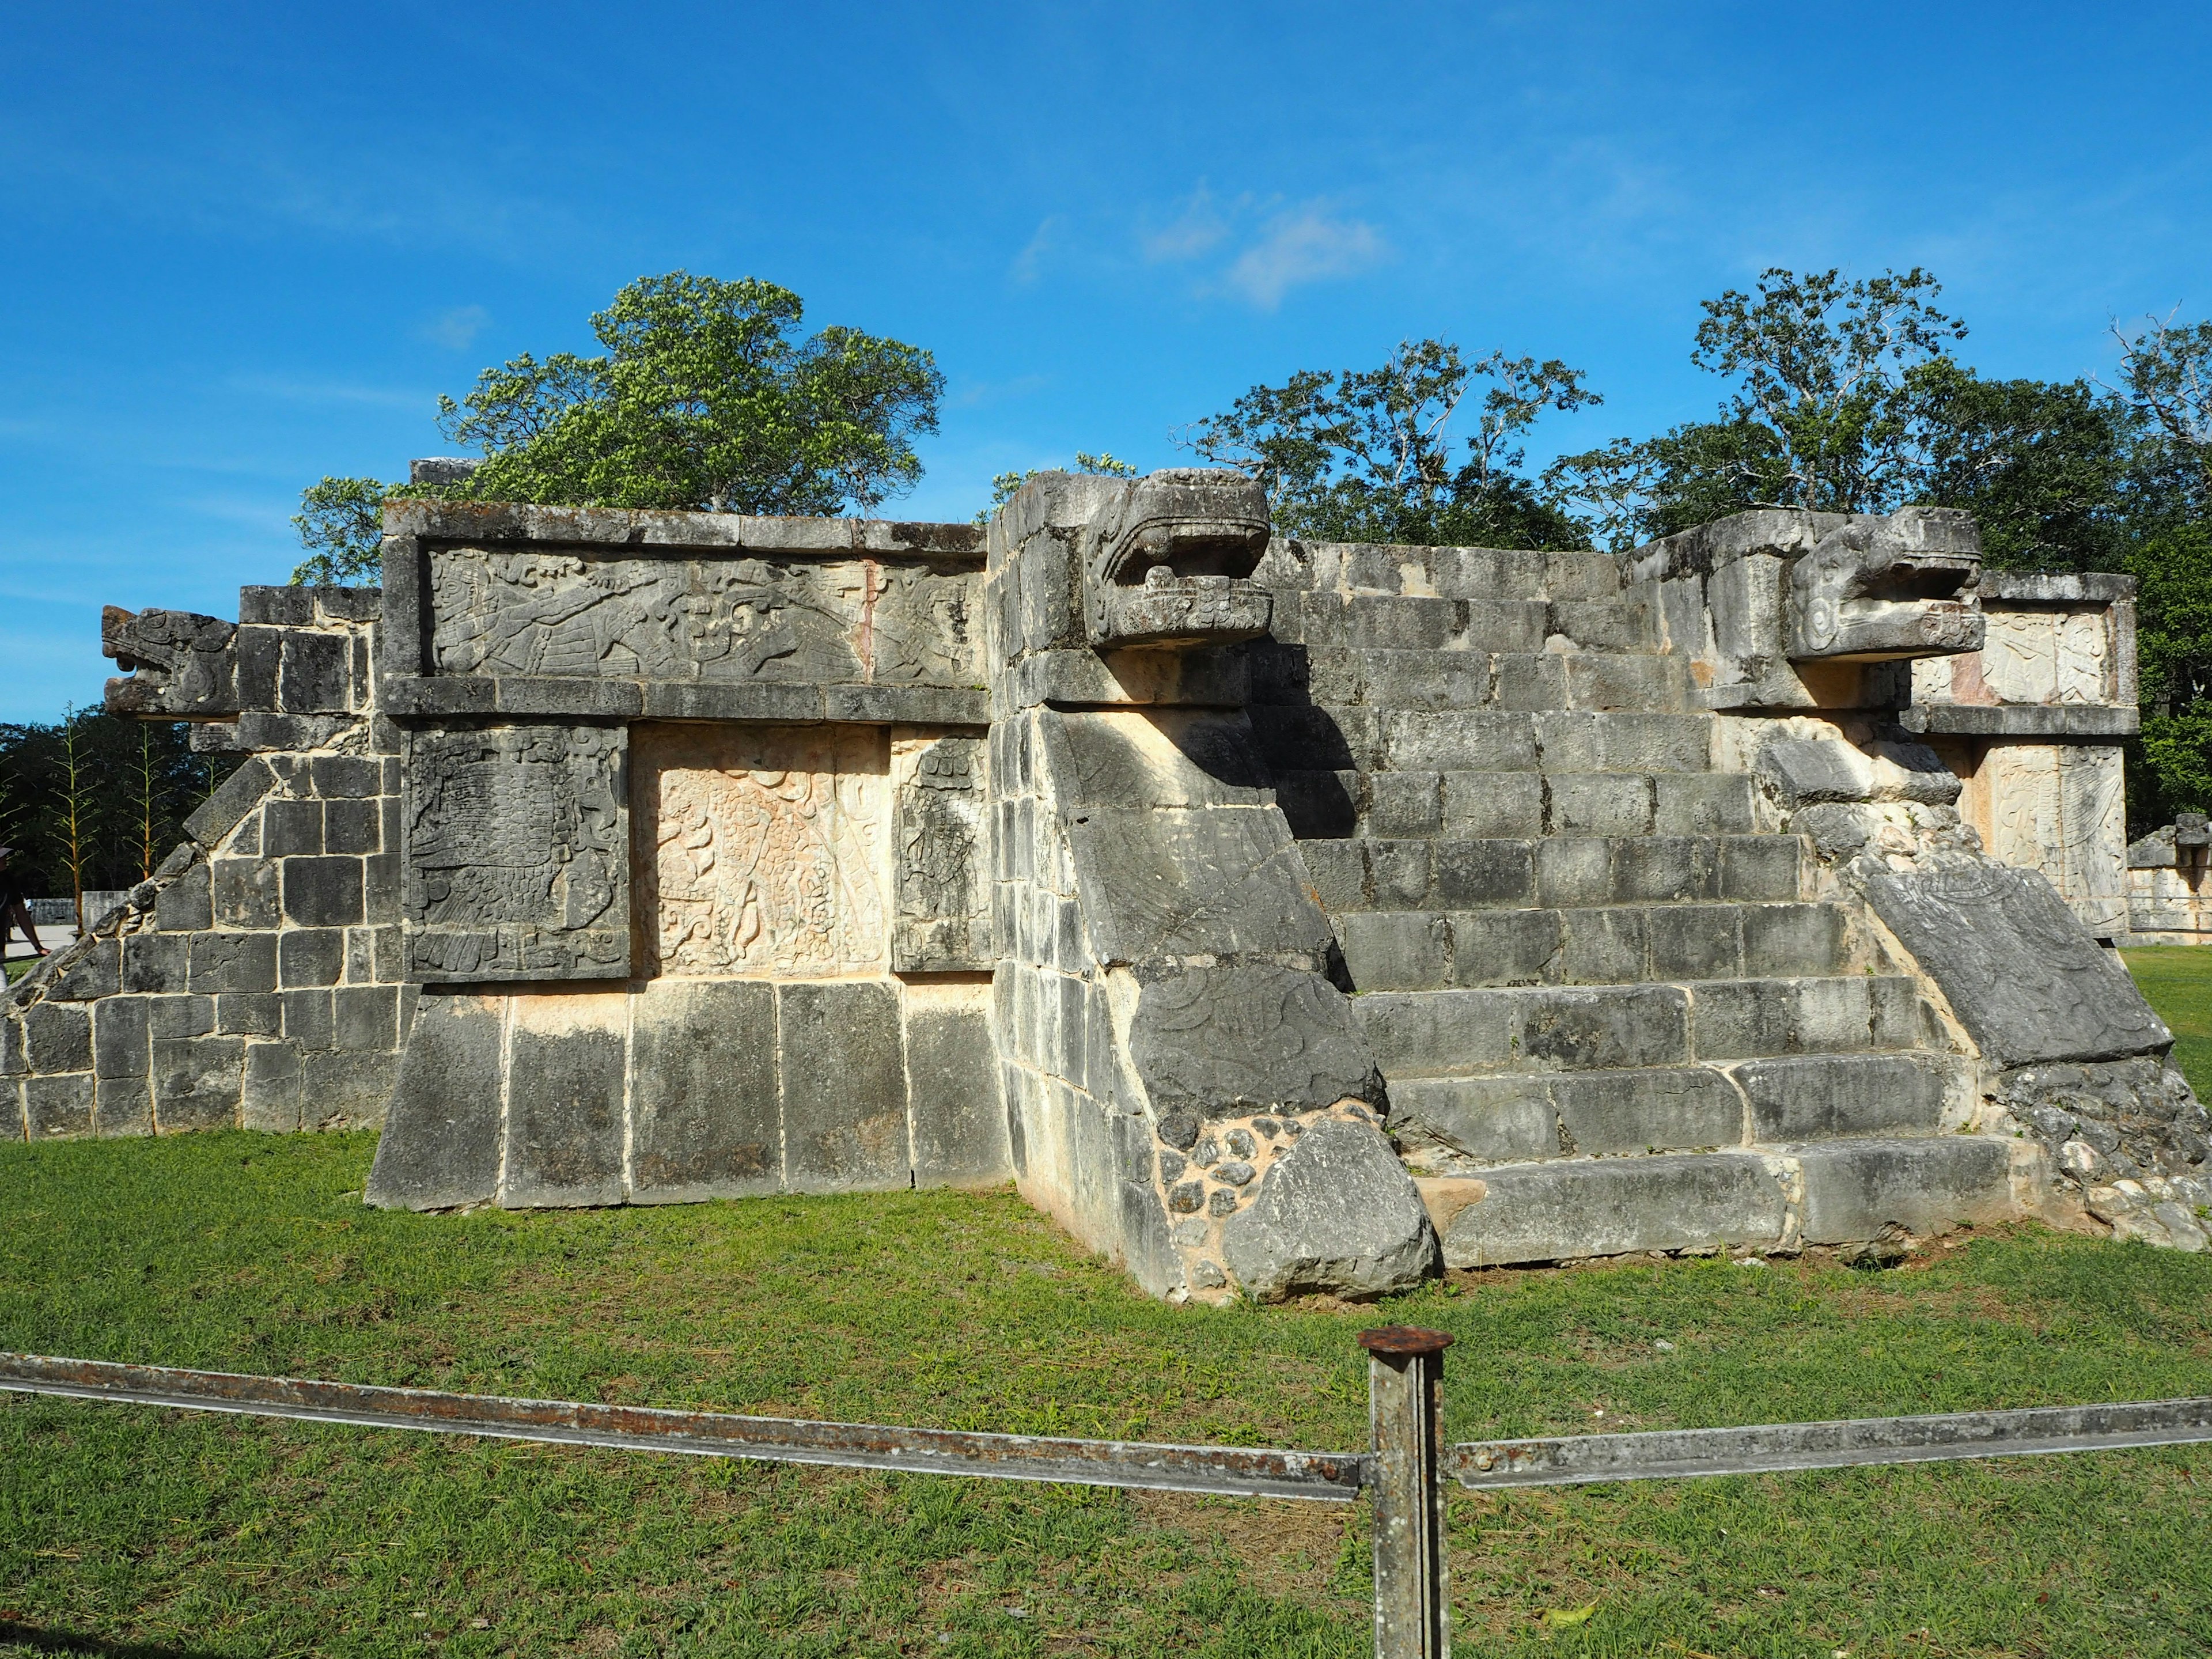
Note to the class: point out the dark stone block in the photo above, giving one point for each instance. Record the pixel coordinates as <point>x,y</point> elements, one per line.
<point>367,1016</point>
<point>441,1142</point>
<point>245,892</point>
<point>1694,941</point>
<point>844,1087</point>
<point>561,698</point>
<point>260,655</point>
<point>364,604</point>
<point>291,828</point>
<point>249,1013</point>
<point>308,1017</point>
<point>308,957</point>
<point>959,1122</point>
<point>91,968</point>
<point>119,1036</point>
<point>155,961</point>
<point>380,896</point>
<point>123,1106</point>
<point>237,795</point>
<point>1478,874</point>
<point>56,1038</point>
<point>341,777</point>
<point>317,676</point>
<point>197,1081</point>
<point>2023,976</point>
<point>1601,1027</point>
<point>1827,1097</point>
<point>233,962</point>
<point>11,1048</point>
<point>58,1107</point>
<point>352,826</point>
<point>341,1089</point>
<point>323,892</point>
<point>1173,882</point>
<point>179,1016</point>
<point>269,1097</point>
<point>289,606</point>
<point>187,904</point>
<point>704,1092</point>
<point>564,1131</point>
<point>1248,1037</point>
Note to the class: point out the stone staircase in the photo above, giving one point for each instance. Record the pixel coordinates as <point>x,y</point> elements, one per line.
<point>1609,1016</point>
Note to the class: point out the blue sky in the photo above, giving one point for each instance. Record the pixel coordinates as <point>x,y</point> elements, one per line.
<point>245,246</point>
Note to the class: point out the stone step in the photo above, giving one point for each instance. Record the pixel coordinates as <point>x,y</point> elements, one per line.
<point>1613,944</point>
<point>1461,1125</point>
<point>1436,680</point>
<point>1479,805</point>
<point>1374,621</point>
<point>1488,573</point>
<point>1551,872</point>
<point>1470,1032</point>
<point>1781,1197</point>
<point>1329,738</point>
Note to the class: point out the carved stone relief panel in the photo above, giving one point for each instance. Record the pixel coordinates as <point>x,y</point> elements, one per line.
<point>769,855</point>
<point>2083,670</point>
<point>729,619</point>
<point>2020,656</point>
<point>2061,809</point>
<point>944,919</point>
<point>517,853</point>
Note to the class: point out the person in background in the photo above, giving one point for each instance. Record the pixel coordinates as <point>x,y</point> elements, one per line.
<point>15,902</point>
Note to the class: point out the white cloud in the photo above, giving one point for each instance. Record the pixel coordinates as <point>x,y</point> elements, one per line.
<point>1304,246</point>
<point>455,328</point>
<point>1198,229</point>
<point>1030,262</point>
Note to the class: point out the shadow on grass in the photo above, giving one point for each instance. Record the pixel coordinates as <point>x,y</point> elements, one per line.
<point>14,1636</point>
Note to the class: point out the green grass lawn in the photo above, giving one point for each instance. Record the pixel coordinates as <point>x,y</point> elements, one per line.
<point>130,1531</point>
<point>2178,979</point>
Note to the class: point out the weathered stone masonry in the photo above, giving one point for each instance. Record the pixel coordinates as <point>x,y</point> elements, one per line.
<point>1280,916</point>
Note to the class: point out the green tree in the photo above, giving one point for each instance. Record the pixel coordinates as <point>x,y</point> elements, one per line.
<point>341,524</point>
<point>707,397</point>
<point>1369,454</point>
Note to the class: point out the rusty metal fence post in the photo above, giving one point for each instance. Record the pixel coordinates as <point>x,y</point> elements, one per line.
<point>1405,1423</point>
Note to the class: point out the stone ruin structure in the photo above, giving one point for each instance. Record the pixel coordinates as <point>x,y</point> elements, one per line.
<point>1280,916</point>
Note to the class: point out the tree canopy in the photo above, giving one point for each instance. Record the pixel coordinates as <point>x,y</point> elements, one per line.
<point>707,397</point>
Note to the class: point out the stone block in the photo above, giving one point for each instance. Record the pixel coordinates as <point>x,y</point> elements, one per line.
<point>1694,941</point>
<point>1854,1189</point>
<point>344,1090</point>
<point>57,1108</point>
<point>2025,978</point>
<point>1529,682</point>
<point>1667,869</point>
<point>179,1016</point>
<point>1396,949</point>
<point>1668,1109</point>
<point>156,962</point>
<point>1154,758</point>
<point>1574,872</point>
<point>382,888</point>
<point>365,1017</point>
<point>1418,741</point>
<point>353,826</point>
<point>196,1082</point>
<point>706,1118</point>
<point>1600,804</point>
<point>1830,1016</point>
<point>11,1047</point>
<point>245,892</point>
<point>290,606</point>
<point>565,1086</point>
<point>234,798</point>
<point>1737,1018</point>
<point>1786,939</point>
<point>1604,946</point>
<point>233,962</point>
<point>269,1093</point>
<point>1471,875</point>
<point>1504,1120</point>
<point>345,777</point>
<point>90,969</point>
<point>959,1121</point>
<point>187,904</point>
<point>1246,1037</point>
<point>1177,882</point>
<point>123,1106</point>
<point>308,1018</point>
<point>1436,1033</point>
<point>1338,1213</point>
<point>1321,804</point>
<point>316,675</point>
<point>322,892</point>
<point>1399,873</point>
<point>249,1013</point>
<point>844,1087</point>
<point>1611,1206</point>
<point>1762,867</point>
<point>1505,947</point>
<point>440,1144</point>
<point>56,1038</point>
<point>1600,1028</point>
<point>1832,1096</point>
<point>1479,805</point>
<point>119,1036</point>
<point>291,828</point>
<point>1702,803</point>
<point>309,956</point>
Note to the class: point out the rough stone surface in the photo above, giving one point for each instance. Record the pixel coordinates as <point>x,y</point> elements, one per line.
<point>564,1120</point>
<point>1560,1210</point>
<point>440,1146</point>
<point>703,1089</point>
<point>1337,1212</point>
<point>1227,1039</point>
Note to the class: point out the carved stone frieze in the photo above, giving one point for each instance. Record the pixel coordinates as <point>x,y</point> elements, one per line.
<point>944,920</point>
<point>517,853</point>
<point>770,849</point>
<point>728,620</point>
<point>181,664</point>
<point>1874,589</point>
<point>1168,560</point>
